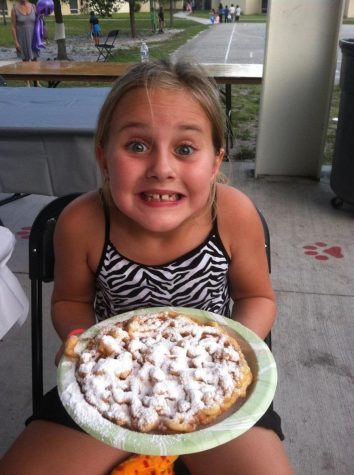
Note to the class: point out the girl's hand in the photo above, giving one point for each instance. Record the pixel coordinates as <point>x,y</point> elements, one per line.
<point>17,46</point>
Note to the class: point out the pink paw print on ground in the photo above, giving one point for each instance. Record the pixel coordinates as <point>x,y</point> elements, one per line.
<point>322,252</point>
<point>24,232</point>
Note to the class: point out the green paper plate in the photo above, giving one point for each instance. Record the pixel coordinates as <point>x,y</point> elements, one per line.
<point>239,418</point>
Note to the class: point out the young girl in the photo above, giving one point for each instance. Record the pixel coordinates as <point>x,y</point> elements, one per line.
<point>160,226</point>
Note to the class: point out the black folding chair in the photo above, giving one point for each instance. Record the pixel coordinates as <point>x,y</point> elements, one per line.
<point>105,49</point>
<point>41,269</point>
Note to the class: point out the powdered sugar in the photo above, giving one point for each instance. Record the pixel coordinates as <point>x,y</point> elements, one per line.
<point>159,373</point>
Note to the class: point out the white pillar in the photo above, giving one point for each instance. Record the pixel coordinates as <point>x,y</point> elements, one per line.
<point>298,77</point>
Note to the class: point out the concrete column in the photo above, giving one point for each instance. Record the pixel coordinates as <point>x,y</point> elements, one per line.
<point>299,69</point>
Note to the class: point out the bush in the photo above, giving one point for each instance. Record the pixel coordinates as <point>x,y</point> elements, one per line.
<point>137,7</point>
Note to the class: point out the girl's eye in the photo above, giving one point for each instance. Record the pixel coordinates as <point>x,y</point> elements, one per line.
<point>137,147</point>
<point>185,149</point>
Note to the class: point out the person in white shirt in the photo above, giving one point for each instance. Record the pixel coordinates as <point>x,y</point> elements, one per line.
<point>232,12</point>
<point>237,13</point>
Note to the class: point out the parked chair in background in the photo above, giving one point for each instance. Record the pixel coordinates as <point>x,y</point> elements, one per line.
<point>105,48</point>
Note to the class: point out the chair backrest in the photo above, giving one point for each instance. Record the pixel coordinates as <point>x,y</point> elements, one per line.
<point>41,269</point>
<point>266,232</point>
<point>111,37</point>
<point>266,239</point>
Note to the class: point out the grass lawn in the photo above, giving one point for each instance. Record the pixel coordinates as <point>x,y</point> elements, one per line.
<point>245,113</point>
<point>77,25</point>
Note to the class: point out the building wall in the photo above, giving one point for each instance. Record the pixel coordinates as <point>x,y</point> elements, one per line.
<point>67,10</point>
<point>250,7</point>
<point>349,9</point>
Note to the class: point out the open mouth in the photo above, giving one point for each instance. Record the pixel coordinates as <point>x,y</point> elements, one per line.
<point>159,197</point>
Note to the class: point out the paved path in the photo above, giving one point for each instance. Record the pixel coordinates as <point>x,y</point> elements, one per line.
<point>227,43</point>
<point>236,43</point>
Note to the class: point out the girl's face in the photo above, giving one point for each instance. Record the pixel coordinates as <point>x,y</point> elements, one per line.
<point>159,160</point>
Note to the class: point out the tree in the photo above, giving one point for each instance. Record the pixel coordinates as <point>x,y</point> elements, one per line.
<point>3,8</point>
<point>171,13</point>
<point>132,18</point>
<point>103,8</point>
<point>59,31</point>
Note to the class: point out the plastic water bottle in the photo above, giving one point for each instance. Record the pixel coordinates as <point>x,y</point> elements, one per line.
<point>144,52</point>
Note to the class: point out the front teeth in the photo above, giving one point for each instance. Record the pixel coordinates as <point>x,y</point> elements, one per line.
<point>158,197</point>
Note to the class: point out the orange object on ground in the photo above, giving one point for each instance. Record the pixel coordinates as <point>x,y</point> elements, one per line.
<point>146,465</point>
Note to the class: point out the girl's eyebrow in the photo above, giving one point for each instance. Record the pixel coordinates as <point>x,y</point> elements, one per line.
<point>130,125</point>
<point>144,125</point>
<point>193,127</point>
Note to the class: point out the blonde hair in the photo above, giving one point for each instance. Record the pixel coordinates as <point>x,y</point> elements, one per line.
<point>172,76</point>
<point>167,75</point>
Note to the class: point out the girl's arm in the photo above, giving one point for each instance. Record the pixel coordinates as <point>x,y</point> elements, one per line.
<point>251,289</point>
<point>74,282</point>
<point>13,29</point>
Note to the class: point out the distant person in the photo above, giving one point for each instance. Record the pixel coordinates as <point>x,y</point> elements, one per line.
<point>232,12</point>
<point>212,15</point>
<point>161,17</point>
<point>23,19</point>
<point>95,28</point>
<point>237,13</point>
<point>220,12</point>
<point>227,14</point>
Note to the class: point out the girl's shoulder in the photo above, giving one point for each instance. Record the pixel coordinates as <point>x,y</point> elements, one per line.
<point>82,215</point>
<point>236,214</point>
<point>233,203</point>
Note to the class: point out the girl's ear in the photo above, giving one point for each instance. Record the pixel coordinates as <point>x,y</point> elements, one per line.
<point>219,157</point>
<point>101,159</point>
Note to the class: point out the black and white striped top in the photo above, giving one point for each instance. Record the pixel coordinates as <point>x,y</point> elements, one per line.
<point>197,279</point>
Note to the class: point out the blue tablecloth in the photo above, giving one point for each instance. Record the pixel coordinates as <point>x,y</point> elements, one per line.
<point>46,139</point>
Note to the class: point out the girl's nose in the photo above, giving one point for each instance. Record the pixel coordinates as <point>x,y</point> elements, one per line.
<point>161,166</point>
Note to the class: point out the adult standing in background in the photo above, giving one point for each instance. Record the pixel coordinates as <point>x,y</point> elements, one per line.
<point>221,12</point>
<point>23,18</point>
<point>227,15</point>
<point>161,16</point>
<point>237,13</point>
<point>232,12</point>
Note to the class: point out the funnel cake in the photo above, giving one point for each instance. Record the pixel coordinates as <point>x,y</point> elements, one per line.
<point>162,373</point>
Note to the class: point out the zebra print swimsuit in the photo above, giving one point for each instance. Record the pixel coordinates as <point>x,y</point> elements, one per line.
<point>197,279</point>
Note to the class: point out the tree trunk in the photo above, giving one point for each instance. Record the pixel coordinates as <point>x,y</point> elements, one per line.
<point>132,18</point>
<point>171,13</point>
<point>60,31</point>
